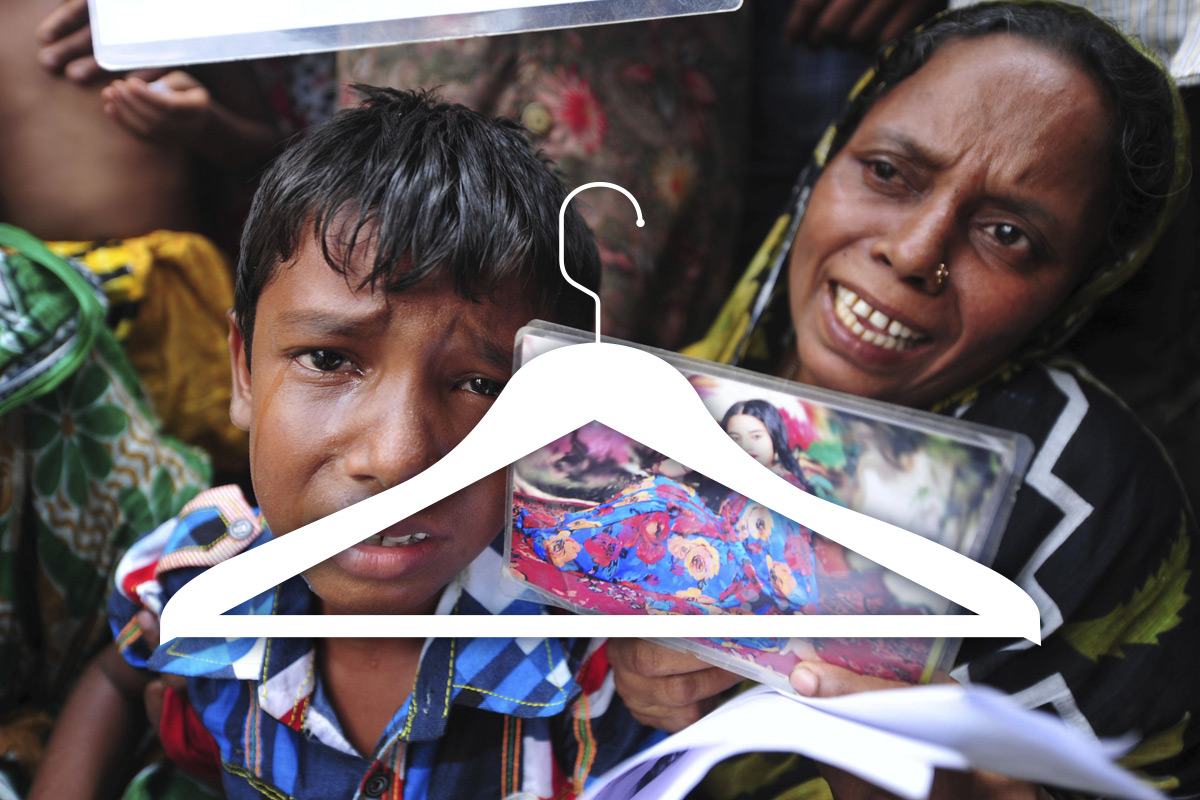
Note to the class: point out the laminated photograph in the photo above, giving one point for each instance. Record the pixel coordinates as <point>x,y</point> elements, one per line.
<point>602,524</point>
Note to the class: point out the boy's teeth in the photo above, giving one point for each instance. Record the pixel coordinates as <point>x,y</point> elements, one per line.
<point>872,325</point>
<point>396,541</point>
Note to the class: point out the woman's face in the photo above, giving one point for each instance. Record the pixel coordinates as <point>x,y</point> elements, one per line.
<point>992,159</point>
<point>751,435</point>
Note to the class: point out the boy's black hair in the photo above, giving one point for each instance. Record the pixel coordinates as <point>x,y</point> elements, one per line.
<point>430,186</point>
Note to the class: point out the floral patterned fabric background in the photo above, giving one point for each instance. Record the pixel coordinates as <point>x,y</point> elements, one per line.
<point>658,107</point>
<point>677,555</point>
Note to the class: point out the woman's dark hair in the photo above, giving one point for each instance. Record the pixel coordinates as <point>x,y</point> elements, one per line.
<point>769,416</point>
<point>432,187</point>
<point>1138,91</point>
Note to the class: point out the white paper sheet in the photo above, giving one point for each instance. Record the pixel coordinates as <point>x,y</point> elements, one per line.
<point>894,739</point>
<point>901,765</point>
<point>994,733</point>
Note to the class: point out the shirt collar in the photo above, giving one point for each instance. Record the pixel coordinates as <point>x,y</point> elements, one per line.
<point>521,677</point>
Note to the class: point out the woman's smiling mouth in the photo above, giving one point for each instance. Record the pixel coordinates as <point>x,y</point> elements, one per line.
<point>869,324</point>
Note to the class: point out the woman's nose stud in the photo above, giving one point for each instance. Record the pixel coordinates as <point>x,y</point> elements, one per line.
<point>940,275</point>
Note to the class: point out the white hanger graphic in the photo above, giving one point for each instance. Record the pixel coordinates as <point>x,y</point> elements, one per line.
<point>527,416</point>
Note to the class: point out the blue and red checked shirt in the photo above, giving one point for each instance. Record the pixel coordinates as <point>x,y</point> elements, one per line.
<point>488,718</point>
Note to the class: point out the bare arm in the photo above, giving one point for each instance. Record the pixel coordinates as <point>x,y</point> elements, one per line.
<point>223,115</point>
<point>670,690</point>
<point>88,755</point>
<point>218,123</point>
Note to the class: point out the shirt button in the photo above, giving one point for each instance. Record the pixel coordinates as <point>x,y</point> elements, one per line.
<point>376,785</point>
<point>241,529</point>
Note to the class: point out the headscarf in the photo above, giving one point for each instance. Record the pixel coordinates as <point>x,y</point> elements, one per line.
<point>754,327</point>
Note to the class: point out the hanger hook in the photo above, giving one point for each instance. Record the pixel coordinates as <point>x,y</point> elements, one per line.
<point>562,244</point>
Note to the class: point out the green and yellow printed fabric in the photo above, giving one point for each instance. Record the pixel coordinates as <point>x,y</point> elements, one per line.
<point>84,471</point>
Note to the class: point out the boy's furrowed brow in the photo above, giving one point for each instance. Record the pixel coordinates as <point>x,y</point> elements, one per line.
<point>494,353</point>
<point>321,322</point>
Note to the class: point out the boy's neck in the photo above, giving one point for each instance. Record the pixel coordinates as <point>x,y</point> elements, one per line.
<point>367,680</point>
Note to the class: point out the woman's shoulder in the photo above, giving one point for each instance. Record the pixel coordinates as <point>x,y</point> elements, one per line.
<point>1100,537</point>
<point>1086,441</point>
<point>1101,508</point>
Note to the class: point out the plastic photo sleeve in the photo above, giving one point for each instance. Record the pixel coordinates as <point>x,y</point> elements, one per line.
<point>602,524</point>
<point>129,34</point>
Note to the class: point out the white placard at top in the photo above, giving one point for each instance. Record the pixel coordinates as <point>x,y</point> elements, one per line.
<point>129,34</point>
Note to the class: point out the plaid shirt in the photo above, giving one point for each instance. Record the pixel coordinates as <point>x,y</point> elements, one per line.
<point>488,717</point>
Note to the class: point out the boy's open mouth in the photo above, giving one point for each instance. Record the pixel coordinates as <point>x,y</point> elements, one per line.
<point>396,541</point>
<point>392,555</point>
